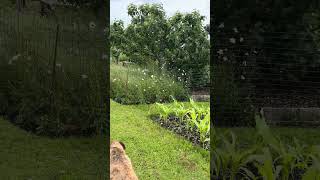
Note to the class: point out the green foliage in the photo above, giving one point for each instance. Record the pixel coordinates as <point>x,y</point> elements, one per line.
<point>250,32</point>
<point>147,33</point>
<point>258,42</point>
<point>204,128</point>
<point>164,111</point>
<point>195,118</point>
<point>117,39</point>
<point>178,44</point>
<point>228,161</point>
<point>188,47</point>
<point>36,106</point>
<point>269,158</point>
<point>69,102</point>
<point>266,166</point>
<point>314,171</point>
<point>135,85</point>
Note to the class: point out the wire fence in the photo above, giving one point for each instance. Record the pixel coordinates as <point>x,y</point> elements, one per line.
<point>275,74</point>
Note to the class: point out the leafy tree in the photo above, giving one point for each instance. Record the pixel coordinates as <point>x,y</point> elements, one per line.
<point>188,46</point>
<point>179,44</point>
<point>117,39</point>
<point>147,33</point>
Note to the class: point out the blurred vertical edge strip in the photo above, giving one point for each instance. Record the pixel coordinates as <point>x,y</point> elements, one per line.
<point>211,77</point>
<point>108,85</point>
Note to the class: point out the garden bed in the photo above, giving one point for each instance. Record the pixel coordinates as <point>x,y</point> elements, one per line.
<point>192,122</point>
<point>182,130</point>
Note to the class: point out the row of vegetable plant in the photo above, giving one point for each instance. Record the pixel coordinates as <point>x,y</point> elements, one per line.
<point>269,158</point>
<point>190,120</point>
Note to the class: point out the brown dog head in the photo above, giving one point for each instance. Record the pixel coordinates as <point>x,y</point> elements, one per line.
<point>118,144</point>
<point>120,164</point>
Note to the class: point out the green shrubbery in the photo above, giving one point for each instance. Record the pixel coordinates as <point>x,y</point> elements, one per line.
<point>70,102</point>
<point>269,158</point>
<point>135,85</point>
<point>74,104</point>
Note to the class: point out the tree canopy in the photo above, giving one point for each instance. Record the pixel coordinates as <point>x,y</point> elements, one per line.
<point>277,33</point>
<point>179,44</point>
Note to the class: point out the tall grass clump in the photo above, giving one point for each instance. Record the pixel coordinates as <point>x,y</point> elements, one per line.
<point>135,85</point>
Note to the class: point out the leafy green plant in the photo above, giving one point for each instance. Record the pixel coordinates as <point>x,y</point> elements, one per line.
<point>192,119</point>
<point>289,157</point>
<point>195,118</point>
<point>313,172</point>
<point>229,162</point>
<point>164,111</point>
<point>266,166</point>
<point>204,128</point>
<point>263,130</point>
<point>268,159</point>
<point>180,111</point>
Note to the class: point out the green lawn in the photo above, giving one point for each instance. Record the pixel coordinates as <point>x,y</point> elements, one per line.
<point>156,153</point>
<point>26,156</point>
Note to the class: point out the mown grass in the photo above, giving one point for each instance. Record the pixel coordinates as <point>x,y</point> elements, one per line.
<point>155,152</point>
<point>26,156</point>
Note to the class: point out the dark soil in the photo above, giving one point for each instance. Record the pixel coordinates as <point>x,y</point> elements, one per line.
<point>180,128</point>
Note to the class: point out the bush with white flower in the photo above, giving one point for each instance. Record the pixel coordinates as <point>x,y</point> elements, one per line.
<point>147,87</point>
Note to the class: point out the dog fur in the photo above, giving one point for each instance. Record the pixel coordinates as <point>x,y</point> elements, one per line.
<point>120,164</point>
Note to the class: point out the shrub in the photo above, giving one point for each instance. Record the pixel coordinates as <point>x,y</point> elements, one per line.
<point>74,105</point>
<point>135,85</point>
<point>75,102</point>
